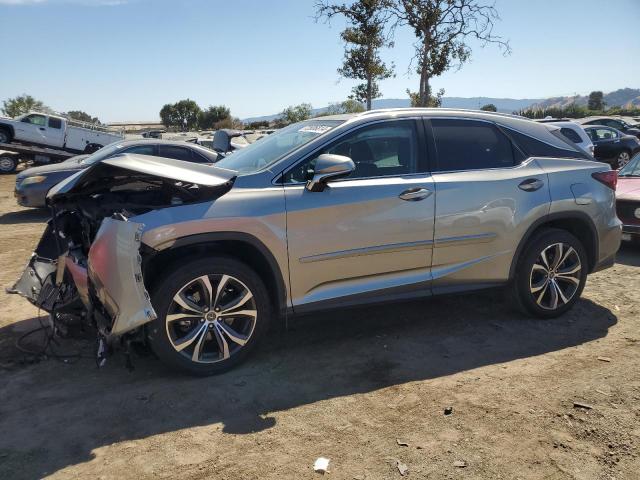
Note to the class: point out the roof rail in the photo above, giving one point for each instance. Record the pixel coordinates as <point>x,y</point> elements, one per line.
<point>437,109</point>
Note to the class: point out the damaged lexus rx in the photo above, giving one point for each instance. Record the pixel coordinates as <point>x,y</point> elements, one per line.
<point>330,212</point>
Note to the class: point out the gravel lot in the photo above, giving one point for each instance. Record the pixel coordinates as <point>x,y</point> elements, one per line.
<point>365,388</point>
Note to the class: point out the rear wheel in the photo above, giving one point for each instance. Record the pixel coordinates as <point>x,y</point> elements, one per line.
<point>8,163</point>
<point>551,274</point>
<point>211,314</point>
<point>623,159</point>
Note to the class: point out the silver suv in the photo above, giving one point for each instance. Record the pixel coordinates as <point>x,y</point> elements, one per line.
<point>327,213</point>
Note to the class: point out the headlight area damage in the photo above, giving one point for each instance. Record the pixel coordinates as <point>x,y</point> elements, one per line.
<point>88,263</point>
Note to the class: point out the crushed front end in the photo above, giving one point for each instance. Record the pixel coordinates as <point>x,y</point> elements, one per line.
<point>88,263</point>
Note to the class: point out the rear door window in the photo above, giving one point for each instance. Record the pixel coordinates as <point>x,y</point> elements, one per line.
<point>177,153</point>
<point>55,123</point>
<point>471,145</point>
<point>141,150</point>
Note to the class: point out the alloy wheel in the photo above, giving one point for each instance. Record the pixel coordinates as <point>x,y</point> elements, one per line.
<point>4,136</point>
<point>211,318</point>
<point>555,276</point>
<point>623,159</point>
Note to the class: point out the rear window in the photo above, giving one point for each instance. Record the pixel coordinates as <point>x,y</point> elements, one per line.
<point>571,135</point>
<point>536,148</point>
<point>55,123</point>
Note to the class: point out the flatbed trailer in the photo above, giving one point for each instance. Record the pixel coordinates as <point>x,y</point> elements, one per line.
<point>11,154</point>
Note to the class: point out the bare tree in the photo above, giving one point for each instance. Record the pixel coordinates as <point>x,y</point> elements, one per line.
<point>443,29</point>
<point>364,37</point>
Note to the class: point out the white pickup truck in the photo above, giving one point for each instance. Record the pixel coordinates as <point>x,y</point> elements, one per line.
<point>55,132</point>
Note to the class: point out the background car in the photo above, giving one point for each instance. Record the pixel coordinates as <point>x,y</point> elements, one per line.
<point>572,132</point>
<point>628,200</point>
<point>613,122</point>
<point>33,184</point>
<point>612,146</point>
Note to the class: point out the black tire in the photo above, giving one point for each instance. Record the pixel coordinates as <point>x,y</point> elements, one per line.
<point>526,280</point>
<point>8,163</point>
<point>162,298</point>
<point>5,135</point>
<point>92,148</point>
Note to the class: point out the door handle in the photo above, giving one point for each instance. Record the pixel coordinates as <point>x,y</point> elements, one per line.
<point>42,128</point>
<point>415,194</point>
<point>531,184</point>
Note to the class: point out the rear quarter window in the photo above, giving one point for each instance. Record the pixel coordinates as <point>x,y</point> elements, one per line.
<point>571,135</point>
<point>533,147</point>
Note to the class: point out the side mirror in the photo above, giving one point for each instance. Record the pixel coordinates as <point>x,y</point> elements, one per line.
<point>329,167</point>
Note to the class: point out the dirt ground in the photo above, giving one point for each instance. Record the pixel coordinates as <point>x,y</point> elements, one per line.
<point>365,388</point>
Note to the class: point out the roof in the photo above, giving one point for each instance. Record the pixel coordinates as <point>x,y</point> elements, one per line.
<point>177,143</point>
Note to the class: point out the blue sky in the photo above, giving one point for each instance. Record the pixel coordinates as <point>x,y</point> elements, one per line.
<point>124,59</point>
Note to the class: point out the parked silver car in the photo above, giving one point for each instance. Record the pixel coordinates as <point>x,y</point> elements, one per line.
<point>330,212</point>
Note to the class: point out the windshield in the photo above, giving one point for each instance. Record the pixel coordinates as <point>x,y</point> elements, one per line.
<point>104,152</point>
<point>631,169</point>
<point>270,149</point>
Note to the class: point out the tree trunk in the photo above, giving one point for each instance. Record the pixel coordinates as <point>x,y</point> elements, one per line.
<point>369,92</point>
<point>424,91</point>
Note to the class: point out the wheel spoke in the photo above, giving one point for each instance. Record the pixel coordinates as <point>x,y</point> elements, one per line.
<point>568,278</point>
<point>559,291</point>
<point>557,256</point>
<point>190,337</point>
<point>197,350</point>
<point>569,270</point>
<point>232,334</point>
<point>543,256</point>
<point>539,286</point>
<point>247,296</point>
<point>221,284</point>
<point>240,313</point>
<point>172,317</point>
<point>206,283</point>
<point>222,342</point>
<point>553,293</point>
<point>185,303</point>
<point>544,290</point>
<point>537,266</point>
<point>564,258</point>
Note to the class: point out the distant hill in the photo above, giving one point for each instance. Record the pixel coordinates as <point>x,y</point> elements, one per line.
<point>629,97</point>
<point>506,105</point>
<point>624,97</point>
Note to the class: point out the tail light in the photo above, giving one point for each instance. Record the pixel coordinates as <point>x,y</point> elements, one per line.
<point>609,178</point>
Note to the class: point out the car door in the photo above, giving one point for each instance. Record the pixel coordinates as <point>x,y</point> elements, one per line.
<point>32,128</point>
<point>606,142</point>
<point>54,134</point>
<point>369,235</point>
<point>487,196</point>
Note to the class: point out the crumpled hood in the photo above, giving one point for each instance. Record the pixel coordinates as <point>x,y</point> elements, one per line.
<point>628,189</point>
<point>204,175</point>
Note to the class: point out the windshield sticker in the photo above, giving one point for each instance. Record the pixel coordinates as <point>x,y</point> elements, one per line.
<point>315,128</point>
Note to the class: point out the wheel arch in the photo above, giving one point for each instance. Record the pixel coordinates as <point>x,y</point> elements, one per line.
<point>241,246</point>
<point>577,223</point>
<point>8,128</point>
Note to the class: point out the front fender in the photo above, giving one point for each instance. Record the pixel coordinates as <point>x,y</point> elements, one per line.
<point>116,276</point>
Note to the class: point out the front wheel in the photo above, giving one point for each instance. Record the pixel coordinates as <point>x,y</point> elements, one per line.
<point>211,314</point>
<point>551,274</point>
